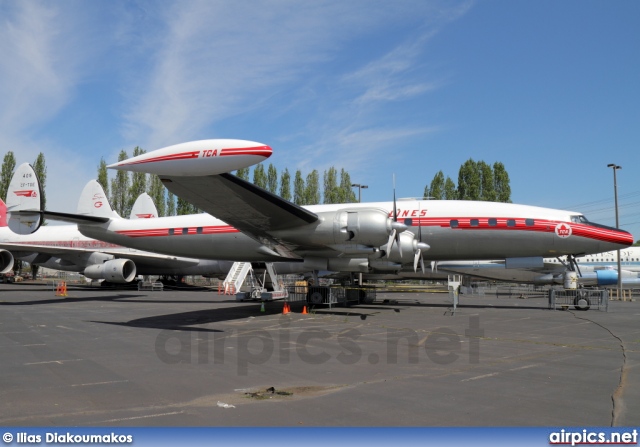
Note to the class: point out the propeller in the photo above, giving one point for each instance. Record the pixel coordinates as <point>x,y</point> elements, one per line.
<point>396,227</point>
<point>420,246</point>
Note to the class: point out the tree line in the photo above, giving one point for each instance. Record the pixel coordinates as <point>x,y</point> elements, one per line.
<point>477,180</point>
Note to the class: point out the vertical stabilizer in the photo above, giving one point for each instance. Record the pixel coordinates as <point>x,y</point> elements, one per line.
<point>94,202</point>
<point>144,208</point>
<point>24,201</point>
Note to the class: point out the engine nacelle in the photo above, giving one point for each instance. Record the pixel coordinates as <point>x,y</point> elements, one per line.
<point>357,227</point>
<point>117,271</point>
<point>6,261</point>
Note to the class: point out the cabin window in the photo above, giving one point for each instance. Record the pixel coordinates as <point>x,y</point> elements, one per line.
<point>474,222</point>
<point>199,230</point>
<point>185,231</point>
<point>493,222</point>
<point>171,231</point>
<point>529,222</point>
<point>511,222</point>
<point>453,223</point>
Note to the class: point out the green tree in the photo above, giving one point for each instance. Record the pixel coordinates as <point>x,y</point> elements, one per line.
<point>469,182</point>
<point>171,204</point>
<point>243,174</point>
<point>138,181</point>
<point>285,185</point>
<point>450,190</point>
<point>501,183</point>
<point>185,207</point>
<point>331,194</point>
<point>120,189</point>
<point>156,192</point>
<point>8,166</point>
<point>312,188</point>
<point>103,176</point>
<point>487,184</point>
<point>436,189</point>
<point>345,191</point>
<point>259,176</point>
<point>272,179</point>
<point>299,190</point>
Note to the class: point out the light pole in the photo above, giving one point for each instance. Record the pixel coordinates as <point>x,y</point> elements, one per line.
<point>615,167</point>
<point>360,188</point>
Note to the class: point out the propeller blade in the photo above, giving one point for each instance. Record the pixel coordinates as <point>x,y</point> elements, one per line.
<point>415,261</point>
<point>392,237</point>
<point>422,264</point>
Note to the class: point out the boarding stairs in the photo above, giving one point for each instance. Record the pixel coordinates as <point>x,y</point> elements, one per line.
<point>243,274</point>
<point>235,278</point>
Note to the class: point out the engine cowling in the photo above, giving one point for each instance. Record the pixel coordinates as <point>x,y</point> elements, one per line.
<point>6,261</point>
<point>358,227</point>
<point>119,271</point>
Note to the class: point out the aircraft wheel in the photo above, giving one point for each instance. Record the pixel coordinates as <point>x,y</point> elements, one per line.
<point>582,302</point>
<point>363,298</point>
<point>315,298</point>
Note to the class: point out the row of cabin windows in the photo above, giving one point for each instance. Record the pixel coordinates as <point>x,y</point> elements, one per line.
<point>173,231</point>
<point>454,223</point>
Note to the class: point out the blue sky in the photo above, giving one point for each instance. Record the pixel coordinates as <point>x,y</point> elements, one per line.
<point>551,89</point>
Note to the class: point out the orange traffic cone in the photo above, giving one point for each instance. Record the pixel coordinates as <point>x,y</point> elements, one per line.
<point>304,310</point>
<point>285,309</point>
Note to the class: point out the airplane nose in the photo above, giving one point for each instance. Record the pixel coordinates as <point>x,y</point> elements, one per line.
<point>611,238</point>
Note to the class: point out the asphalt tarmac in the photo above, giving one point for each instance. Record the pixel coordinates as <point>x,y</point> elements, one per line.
<point>194,358</point>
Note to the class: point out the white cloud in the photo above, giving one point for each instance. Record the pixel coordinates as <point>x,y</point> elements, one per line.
<point>216,60</point>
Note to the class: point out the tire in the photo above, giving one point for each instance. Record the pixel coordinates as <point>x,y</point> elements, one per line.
<point>315,297</point>
<point>582,302</point>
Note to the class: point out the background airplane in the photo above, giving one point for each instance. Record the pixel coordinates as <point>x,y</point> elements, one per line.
<point>64,248</point>
<point>599,269</point>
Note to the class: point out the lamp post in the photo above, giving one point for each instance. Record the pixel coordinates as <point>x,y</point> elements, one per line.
<point>360,188</point>
<point>615,167</point>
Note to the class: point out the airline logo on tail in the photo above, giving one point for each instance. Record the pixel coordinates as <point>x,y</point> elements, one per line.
<point>26,193</point>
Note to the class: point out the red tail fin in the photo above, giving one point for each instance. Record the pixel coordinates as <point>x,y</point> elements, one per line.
<point>3,214</point>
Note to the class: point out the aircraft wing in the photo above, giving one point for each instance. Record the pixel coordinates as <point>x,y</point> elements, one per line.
<point>140,258</point>
<point>243,205</point>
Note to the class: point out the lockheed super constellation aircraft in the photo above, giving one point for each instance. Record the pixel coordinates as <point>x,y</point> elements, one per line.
<point>252,224</point>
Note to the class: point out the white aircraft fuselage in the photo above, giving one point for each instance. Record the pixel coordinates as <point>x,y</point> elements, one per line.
<point>452,229</point>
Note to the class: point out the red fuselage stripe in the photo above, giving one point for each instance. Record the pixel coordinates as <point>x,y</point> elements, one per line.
<point>464,224</point>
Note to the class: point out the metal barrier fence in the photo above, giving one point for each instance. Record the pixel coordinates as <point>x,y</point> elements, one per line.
<point>332,296</point>
<point>580,299</point>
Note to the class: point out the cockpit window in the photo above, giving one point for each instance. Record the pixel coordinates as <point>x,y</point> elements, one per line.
<point>579,219</point>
